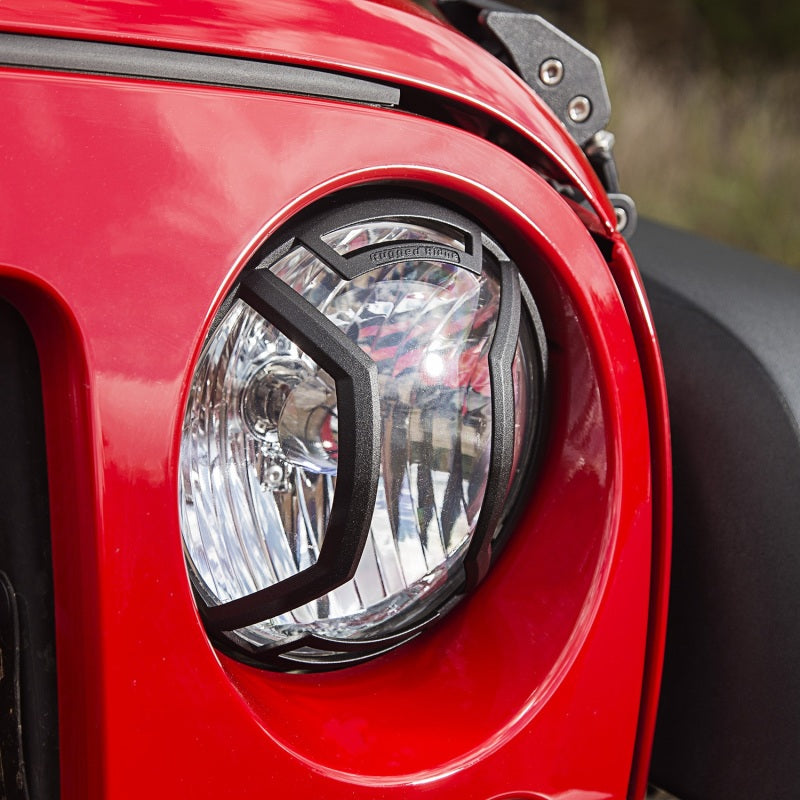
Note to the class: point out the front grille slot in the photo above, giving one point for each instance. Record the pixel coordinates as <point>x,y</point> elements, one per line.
<point>30,769</point>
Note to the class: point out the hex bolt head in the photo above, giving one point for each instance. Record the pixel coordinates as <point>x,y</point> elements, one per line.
<point>579,108</point>
<point>551,72</point>
<point>622,218</point>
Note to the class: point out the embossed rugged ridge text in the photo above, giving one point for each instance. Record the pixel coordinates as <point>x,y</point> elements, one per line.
<point>407,252</point>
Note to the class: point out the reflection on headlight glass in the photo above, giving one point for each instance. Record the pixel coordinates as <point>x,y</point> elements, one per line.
<point>260,445</point>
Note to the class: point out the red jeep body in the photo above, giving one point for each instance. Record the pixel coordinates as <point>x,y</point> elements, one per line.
<point>130,204</point>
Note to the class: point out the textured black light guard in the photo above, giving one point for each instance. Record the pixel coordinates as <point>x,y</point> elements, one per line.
<point>345,537</point>
<point>341,652</point>
<point>418,210</point>
<point>531,330</point>
<point>501,360</point>
<point>356,378</point>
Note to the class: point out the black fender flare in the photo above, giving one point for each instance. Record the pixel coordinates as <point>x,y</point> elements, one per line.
<point>728,324</point>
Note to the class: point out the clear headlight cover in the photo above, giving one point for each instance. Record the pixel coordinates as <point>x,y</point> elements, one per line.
<point>260,446</point>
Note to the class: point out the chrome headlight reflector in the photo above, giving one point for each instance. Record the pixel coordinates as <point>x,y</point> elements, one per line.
<point>351,436</point>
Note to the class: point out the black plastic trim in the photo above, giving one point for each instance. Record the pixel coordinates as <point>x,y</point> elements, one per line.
<point>130,61</point>
<point>729,331</point>
<point>28,657</point>
<point>13,780</point>
<point>356,378</point>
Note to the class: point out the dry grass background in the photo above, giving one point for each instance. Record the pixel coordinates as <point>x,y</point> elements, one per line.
<point>705,151</point>
<point>713,151</point>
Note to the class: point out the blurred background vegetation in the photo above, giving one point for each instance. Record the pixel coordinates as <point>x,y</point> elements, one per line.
<point>705,99</point>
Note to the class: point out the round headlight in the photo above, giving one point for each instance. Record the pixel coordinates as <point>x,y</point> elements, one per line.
<point>358,420</point>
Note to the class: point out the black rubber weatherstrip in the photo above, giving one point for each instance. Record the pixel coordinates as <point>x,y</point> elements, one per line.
<point>131,61</point>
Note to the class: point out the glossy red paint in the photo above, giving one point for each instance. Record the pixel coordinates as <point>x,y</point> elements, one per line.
<point>379,40</point>
<point>632,291</point>
<point>128,209</point>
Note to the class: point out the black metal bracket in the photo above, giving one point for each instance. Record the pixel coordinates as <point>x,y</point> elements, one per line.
<point>567,76</point>
<point>600,152</point>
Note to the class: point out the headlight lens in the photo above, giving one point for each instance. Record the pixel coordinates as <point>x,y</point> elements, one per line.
<point>260,446</point>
